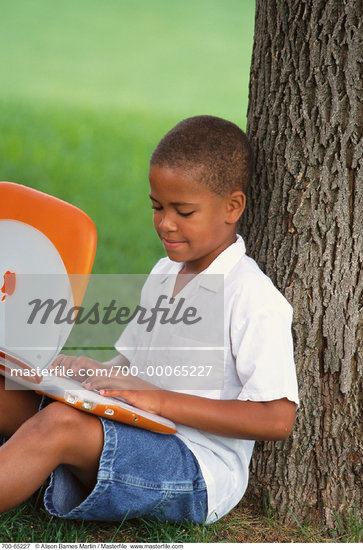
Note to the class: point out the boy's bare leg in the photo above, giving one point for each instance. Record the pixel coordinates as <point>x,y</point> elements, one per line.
<point>16,406</point>
<point>55,435</point>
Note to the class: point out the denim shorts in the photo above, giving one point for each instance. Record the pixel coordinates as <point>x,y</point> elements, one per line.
<point>141,474</point>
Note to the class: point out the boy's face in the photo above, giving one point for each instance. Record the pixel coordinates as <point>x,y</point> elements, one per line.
<point>194,224</point>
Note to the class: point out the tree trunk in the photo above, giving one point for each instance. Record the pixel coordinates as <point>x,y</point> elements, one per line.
<point>303,226</point>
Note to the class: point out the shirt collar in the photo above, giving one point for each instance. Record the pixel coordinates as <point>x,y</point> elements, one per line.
<point>222,265</point>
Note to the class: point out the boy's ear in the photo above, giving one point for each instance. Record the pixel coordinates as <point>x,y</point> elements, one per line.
<point>236,203</point>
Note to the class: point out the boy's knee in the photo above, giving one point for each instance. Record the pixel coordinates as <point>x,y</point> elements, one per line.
<point>55,423</point>
<point>59,431</point>
<point>58,416</point>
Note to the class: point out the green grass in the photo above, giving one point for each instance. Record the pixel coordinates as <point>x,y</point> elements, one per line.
<point>175,58</point>
<point>30,523</point>
<point>88,88</point>
<point>97,162</point>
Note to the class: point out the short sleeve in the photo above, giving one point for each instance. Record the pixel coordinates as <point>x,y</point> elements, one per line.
<point>263,349</point>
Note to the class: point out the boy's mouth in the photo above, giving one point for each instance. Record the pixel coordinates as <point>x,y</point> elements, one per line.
<point>171,244</point>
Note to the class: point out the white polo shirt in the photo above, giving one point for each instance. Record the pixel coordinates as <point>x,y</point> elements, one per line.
<point>258,362</point>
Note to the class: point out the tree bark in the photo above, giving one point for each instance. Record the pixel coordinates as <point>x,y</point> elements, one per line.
<point>303,225</point>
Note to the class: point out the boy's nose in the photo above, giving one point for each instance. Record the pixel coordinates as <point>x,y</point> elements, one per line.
<point>167,223</point>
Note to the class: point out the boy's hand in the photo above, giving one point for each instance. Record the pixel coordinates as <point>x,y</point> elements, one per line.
<point>134,390</point>
<point>79,368</point>
<point>107,378</point>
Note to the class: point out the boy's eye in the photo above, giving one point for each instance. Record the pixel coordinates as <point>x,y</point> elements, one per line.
<point>185,214</point>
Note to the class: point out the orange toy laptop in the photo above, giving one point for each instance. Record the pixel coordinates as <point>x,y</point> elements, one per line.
<point>42,236</point>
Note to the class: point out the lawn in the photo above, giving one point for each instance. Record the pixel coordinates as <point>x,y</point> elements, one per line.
<point>30,523</point>
<point>88,88</point>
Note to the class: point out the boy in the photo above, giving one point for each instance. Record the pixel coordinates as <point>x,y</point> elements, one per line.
<point>102,469</point>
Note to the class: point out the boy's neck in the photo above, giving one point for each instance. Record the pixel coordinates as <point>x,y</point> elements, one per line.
<point>181,281</point>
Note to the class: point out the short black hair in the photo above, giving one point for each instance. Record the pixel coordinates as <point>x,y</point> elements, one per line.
<point>212,149</point>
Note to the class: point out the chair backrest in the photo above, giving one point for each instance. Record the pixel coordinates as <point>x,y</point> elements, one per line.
<point>41,235</point>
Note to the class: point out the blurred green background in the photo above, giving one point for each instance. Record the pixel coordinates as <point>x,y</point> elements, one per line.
<point>88,87</point>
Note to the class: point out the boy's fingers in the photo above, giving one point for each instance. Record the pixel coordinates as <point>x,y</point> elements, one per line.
<point>92,383</point>
<point>128,395</point>
<point>105,383</point>
<point>97,382</point>
<point>116,383</point>
<point>61,361</point>
<point>71,366</point>
<point>37,379</point>
<point>62,364</point>
<point>116,393</point>
<point>58,361</point>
